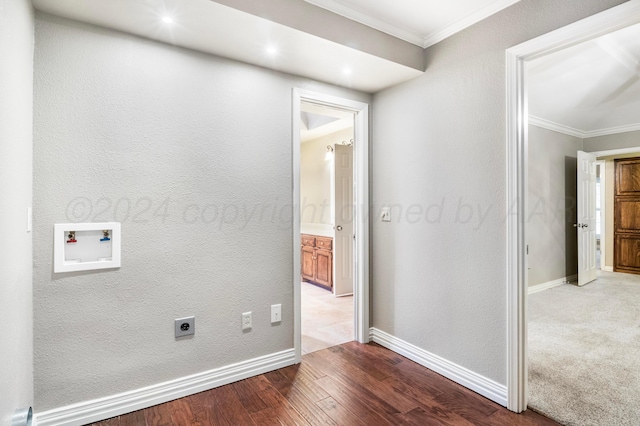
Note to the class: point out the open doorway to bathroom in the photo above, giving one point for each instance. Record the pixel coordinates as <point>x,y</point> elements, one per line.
<point>326,226</point>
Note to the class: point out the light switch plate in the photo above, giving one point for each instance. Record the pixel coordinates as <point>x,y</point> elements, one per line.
<point>246,321</point>
<point>385,214</point>
<point>276,313</point>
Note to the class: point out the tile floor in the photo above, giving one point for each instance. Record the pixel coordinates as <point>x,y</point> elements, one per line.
<point>326,320</point>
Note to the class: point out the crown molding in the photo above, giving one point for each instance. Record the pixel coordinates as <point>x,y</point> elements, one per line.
<point>423,41</point>
<point>613,130</point>
<point>561,128</point>
<point>474,18</point>
<point>369,21</point>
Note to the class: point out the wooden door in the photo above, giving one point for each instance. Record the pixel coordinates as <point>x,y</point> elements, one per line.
<point>626,220</point>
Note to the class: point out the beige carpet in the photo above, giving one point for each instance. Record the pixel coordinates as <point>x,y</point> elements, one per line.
<point>326,320</point>
<point>584,351</point>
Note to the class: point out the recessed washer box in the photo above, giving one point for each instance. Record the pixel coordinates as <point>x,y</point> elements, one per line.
<point>86,246</point>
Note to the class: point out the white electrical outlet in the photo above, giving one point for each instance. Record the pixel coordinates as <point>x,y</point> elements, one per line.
<point>246,321</point>
<point>386,214</point>
<point>276,313</point>
<point>185,326</point>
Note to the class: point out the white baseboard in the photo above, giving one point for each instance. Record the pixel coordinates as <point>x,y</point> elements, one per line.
<point>550,284</point>
<point>607,268</point>
<point>467,378</point>
<point>114,405</point>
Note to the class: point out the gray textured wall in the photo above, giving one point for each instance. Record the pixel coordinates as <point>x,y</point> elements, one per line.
<point>16,112</point>
<point>615,141</point>
<point>552,239</point>
<point>316,178</point>
<point>126,122</point>
<point>440,139</point>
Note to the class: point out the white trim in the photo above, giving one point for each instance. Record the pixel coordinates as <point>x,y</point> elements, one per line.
<point>517,137</point>
<point>612,130</point>
<point>126,402</point>
<point>603,212</point>
<point>583,134</point>
<point>410,36</point>
<point>474,18</point>
<point>608,268</point>
<point>556,127</point>
<point>551,284</point>
<point>297,219</point>
<point>619,151</point>
<point>361,200</point>
<point>603,23</point>
<point>465,377</point>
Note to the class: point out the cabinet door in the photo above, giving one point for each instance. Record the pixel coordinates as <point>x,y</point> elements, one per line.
<point>626,221</point>
<point>308,263</point>
<point>324,268</point>
<point>627,253</point>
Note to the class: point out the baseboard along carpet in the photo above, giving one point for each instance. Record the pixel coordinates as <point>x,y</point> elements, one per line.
<point>584,351</point>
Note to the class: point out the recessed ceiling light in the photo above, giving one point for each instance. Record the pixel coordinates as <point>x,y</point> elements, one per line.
<point>272,50</point>
<point>167,19</point>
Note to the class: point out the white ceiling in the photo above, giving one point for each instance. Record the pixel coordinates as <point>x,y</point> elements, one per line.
<point>211,27</point>
<point>320,120</point>
<point>590,89</point>
<point>587,90</point>
<point>421,22</point>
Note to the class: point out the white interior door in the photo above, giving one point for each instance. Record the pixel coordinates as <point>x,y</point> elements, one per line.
<point>343,222</point>
<point>586,226</point>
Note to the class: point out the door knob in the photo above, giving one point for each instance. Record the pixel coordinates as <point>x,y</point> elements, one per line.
<point>575,225</point>
<point>585,225</point>
<point>339,228</point>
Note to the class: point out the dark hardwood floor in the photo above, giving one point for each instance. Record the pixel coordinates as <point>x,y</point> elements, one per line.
<point>350,384</point>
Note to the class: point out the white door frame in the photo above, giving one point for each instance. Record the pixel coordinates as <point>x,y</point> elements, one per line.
<point>603,23</point>
<point>615,152</point>
<point>603,215</point>
<point>361,217</point>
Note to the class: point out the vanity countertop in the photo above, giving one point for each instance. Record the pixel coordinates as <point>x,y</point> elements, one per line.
<point>319,229</point>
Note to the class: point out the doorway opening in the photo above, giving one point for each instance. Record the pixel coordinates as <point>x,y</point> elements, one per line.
<point>326,227</point>
<point>331,224</point>
<point>517,57</point>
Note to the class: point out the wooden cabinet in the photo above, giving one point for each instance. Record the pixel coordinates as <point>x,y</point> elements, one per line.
<point>316,260</point>
<point>626,220</point>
